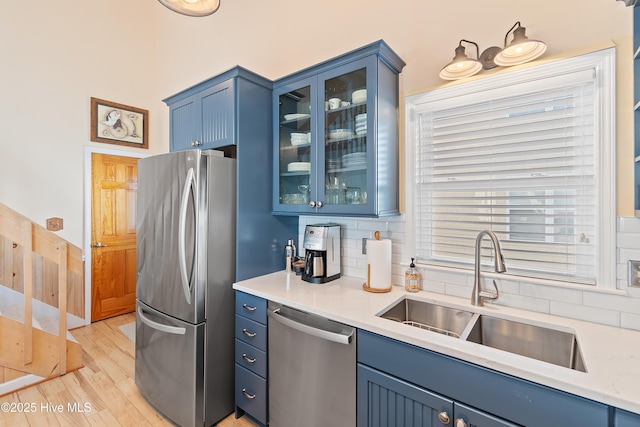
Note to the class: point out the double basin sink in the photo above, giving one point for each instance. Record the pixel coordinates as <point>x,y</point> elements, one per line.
<point>538,342</point>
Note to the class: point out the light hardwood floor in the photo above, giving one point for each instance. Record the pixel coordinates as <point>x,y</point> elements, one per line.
<point>105,386</point>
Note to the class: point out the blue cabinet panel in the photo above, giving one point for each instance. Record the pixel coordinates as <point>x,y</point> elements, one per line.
<point>217,115</point>
<point>507,397</point>
<point>251,394</point>
<point>251,307</point>
<point>251,332</point>
<point>251,358</point>
<point>626,419</point>
<point>386,401</point>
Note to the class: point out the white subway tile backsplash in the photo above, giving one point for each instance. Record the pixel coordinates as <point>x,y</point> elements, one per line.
<point>620,303</point>
<point>616,310</point>
<point>573,296</point>
<point>629,224</point>
<point>523,302</point>
<point>581,312</point>
<point>630,321</point>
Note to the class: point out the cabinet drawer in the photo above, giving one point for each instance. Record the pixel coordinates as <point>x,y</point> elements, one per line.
<point>251,394</point>
<point>251,332</point>
<point>251,358</point>
<point>251,307</point>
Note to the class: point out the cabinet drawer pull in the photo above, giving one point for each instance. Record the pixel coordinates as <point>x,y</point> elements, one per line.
<point>247,358</point>
<point>444,418</point>
<point>247,395</point>
<point>248,307</point>
<point>249,334</point>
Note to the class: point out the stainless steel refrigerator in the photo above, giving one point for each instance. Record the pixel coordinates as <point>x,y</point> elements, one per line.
<point>186,265</point>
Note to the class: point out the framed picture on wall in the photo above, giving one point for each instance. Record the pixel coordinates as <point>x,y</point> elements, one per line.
<point>119,124</point>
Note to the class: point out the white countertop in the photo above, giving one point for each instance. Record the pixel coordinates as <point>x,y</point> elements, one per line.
<point>611,355</point>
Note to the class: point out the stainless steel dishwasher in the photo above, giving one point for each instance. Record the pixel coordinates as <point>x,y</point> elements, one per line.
<point>312,370</point>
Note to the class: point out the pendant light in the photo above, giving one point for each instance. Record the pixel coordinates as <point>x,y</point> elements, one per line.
<point>461,66</point>
<point>520,50</point>
<point>192,7</point>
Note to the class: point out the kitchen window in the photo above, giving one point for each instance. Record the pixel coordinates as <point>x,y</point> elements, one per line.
<point>527,154</point>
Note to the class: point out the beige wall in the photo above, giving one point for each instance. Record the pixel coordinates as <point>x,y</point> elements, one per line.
<point>56,55</point>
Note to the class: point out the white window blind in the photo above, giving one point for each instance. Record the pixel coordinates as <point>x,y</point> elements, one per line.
<point>521,161</point>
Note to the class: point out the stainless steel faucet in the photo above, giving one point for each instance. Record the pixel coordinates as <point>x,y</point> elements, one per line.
<point>478,295</point>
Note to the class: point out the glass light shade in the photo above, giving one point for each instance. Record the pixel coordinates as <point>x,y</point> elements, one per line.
<point>520,50</point>
<point>462,66</point>
<point>192,7</point>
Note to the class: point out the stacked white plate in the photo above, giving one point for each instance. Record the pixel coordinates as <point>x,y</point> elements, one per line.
<point>299,167</point>
<point>361,124</point>
<point>300,138</point>
<point>296,116</point>
<point>354,159</point>
<point>359,96</point>
<point>340,133</point>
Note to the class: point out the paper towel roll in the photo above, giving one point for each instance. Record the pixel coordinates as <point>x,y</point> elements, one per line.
<point>379,261</point>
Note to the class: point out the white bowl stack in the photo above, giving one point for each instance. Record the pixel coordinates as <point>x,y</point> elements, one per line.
<point>359,96</point>
<point>361,124</point>
<point>300,138</point>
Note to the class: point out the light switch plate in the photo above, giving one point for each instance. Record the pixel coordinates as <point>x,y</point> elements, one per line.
<point>633,275</point>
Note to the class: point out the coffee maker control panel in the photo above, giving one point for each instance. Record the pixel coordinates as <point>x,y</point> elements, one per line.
<point>315,238</point>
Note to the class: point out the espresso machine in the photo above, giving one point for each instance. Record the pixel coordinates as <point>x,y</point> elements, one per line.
<point>322,253</point>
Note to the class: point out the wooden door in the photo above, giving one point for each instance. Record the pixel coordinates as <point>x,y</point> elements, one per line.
<point>113,235</point>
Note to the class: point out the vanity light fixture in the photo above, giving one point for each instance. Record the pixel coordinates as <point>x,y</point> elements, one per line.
<point>461,66</point>
<point>192,7</point>
<point>519,51</point>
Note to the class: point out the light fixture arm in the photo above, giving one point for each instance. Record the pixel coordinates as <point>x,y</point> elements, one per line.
<point>506,36</point>
<point>470,42</point>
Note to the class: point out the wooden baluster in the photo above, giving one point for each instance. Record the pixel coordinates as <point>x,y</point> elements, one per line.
<point>27,274</point>
<point>62,307</point>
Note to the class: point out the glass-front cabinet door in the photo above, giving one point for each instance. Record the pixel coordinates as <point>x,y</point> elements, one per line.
<point>346,153</point>
<point>295,154</point>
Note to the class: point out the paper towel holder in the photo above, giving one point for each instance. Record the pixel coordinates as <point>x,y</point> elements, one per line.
<point>365,285</point>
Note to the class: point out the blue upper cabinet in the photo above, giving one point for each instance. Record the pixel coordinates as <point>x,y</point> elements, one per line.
<point>207,115</point>
<point>336,136</point>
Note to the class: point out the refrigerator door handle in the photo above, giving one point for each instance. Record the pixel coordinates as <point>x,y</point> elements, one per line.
<point>310,330</point>
<point>182,230</point>
<point>159,326</point>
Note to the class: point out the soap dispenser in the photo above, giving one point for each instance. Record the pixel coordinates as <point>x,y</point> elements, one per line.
<point>412,278</point>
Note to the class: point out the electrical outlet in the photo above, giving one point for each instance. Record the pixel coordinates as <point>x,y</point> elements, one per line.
<point>633,276</point>
<point>364,246</point>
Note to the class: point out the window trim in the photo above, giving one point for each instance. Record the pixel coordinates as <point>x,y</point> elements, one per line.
<point>603,62</point>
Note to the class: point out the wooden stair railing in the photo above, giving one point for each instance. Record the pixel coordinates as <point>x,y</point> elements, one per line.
<point>35,242</point>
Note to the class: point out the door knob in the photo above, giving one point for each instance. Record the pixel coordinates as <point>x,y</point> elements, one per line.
<point>99,245</point>
<point>312,204</point>
<point>319,204</point>
<point>460,423</point>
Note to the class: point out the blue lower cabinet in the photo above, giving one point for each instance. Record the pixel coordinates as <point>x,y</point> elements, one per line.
<point>251,357</point>
<point>386,401</point>
<point>481,397</point>
<point>626,419</point>
<point>251,394</point>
